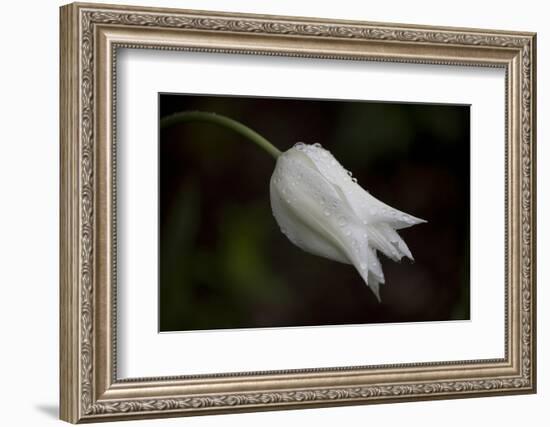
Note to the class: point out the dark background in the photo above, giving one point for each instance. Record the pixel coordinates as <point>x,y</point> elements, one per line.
<point>224,263</point>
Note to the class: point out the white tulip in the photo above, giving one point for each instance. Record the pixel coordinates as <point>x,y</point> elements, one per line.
<point>322,210</point>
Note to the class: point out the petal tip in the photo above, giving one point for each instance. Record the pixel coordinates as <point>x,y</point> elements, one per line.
<point>376,291</point>
<point>412,220</point>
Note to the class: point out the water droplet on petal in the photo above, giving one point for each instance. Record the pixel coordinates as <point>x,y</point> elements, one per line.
<point>363,266</point>
<point>326,212</point>
<point>317,145</point>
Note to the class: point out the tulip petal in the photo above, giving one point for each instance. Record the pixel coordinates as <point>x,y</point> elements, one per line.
<point>374,211</point>
<point>314,217</point>
<point>375,268</point>
<point>366,206</point>
<point>386,240</point>
<point>374,286</point>
<point>300,232</point>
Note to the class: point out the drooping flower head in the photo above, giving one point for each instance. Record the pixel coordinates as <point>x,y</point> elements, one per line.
<point>322,209</point>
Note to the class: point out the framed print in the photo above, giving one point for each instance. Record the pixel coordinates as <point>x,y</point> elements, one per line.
<point>265,212</point>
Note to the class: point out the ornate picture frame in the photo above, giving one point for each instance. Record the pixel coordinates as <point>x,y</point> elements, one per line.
<point>90,37</point>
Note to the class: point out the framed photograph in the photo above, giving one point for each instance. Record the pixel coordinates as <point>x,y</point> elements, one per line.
<point>266,212</point>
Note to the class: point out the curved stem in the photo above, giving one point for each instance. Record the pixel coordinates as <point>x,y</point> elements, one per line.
<point>201,116</point>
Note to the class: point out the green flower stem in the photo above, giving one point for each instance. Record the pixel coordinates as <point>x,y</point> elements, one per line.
<point>200,116</point>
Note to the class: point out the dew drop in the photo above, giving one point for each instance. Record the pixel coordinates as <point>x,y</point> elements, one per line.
<point>354,180</point>
<point>326,212</point>
<point>347,233</point>
<point>342,221</point>
<point>317,145</point>
<point>363,266</point>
